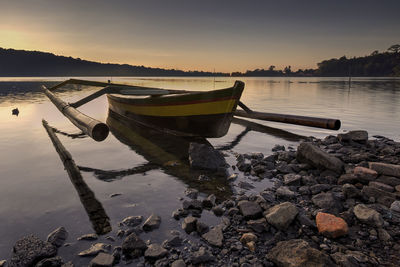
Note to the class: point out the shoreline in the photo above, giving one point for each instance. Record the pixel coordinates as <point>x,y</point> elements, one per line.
<point>330,202</point>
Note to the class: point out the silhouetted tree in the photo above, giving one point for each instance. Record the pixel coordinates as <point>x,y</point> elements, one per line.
<point>394,48</point>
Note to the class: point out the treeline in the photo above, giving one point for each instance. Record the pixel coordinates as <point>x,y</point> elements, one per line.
<point>34,63</point>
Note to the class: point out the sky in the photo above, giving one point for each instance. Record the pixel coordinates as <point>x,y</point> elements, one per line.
<point>220,35</point>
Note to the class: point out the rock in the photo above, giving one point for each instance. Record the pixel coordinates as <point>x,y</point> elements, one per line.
<point>395,206</point>
<point>292,179</point>
<point>50,262</point>
<point>350,191</point>
<point>57,237</point>
<point>381,186</point>
<point>209,202</point>
<point>397,187</point>
<point>205,157</point>
<point>362,171</point>
<point>389,180</point>
<point>68,264</point>
<point>298,253</point>
<point>102,260</point>
<point>29,250</point>
<point>201,256</point>
<point>304,190</point>
<point>95,249</point>
<point>281,215</point>
<point>367,215</point>
<point>132,221</point>
<point>258,226</point>
<point>328,202</point>
<point>303,219</point>
<point>189,224</point>
<point>248,237</point>
<point>192,204</point>
<point>383,235</point>
<point>173,241</point>
<point>153,222</point>
<point>201,228</point>
<point>330,225</point>
<point>385,169</point>
<point>277,148</point>
<point>283,192</point>
<point>379,195</point>
<point>133,246</point>
<point>214,236</point>
<point>218,210</point>
<point>318,188</point>
<point>192,193</point>
<point>250,209</point>
<point>350,178</point>
<point>3,263</point>
<point>155,252</point>
<point>88,237</point>
<point>313,155</point>
<point>355,136</point>
<point>178,263</point>
<point>115,195</point>
<point>344,260</point>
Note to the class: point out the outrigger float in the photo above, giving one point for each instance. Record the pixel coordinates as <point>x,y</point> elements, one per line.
<point>179,112</point>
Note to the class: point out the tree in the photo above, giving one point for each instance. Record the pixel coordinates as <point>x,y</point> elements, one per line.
<point>376,52</point>
<point>288,70</point>
<point>271,68</point>
<point>394,48</point>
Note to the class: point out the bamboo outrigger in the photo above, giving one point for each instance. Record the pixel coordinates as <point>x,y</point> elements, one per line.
<point>185,113</point>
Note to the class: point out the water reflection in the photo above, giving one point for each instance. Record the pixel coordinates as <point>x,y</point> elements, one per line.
<point>168,152</point>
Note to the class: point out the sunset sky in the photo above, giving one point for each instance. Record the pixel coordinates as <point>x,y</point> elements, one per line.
<point>202,35</point>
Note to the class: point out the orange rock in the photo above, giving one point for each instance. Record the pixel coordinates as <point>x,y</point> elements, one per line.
<point>365,171</point>
<point>331,226</point>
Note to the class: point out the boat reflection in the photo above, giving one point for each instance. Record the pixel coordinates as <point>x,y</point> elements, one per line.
<point>168,152</point>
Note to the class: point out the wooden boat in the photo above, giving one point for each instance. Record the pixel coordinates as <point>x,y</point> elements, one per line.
<point>205,114</point>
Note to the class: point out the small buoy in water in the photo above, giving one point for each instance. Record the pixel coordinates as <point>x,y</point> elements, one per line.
<point>15,111</point>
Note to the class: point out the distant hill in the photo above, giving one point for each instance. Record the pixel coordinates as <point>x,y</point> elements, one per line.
<point>35,63</point>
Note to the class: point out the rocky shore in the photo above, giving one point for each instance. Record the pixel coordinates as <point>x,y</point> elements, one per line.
<point>334,202</point>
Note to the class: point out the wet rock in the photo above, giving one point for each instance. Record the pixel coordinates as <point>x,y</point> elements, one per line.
<point>355,136</point>
<point>328,202</point>
<point>155,252</point>
<point>385,169</point>
<point>178,263</point>
<point>218,210</point>
<point>88,237</point>
<point>277,148</point>
<point>189,224</point>
<point>381,186</point>
<point>395,206</point>
<point>259,225</point>
<point>344,260</point>
<point>50,262</point>
<point>192,204</point>
<point>350,191</point>
<point>281,215</point>
<point>191,193</point>
<point>367,215</point>
<point>205,157</point>
<point>29,250</point>
<point>330,225</point>
<point>292,179</point>
<point>313,155</point>
<point>173,241</point>
<point>296,253</point>
<point>132,221</point>
<point>201,228</point>
<point>209,202</point>
<point>201,256</point>
<point>250,209</point>
<point>283,192</point>
<point>102,260</point>
<point>57,237</point>
<point>153,222</point>
<point>133,246</point>
<point>95,249</point>
<point>214,236</point>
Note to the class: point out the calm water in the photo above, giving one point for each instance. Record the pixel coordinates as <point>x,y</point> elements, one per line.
<point>36,194</point>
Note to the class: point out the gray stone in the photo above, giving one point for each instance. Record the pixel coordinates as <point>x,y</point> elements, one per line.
<point>350,191</point>
<point>153,222</point>
<point>189,224</point>
<point>155,252</point>
<point>50,262</point>
<point>304,190</point>
<point>201,256</point>
<point>318,188</point>
<point>313,155</point>
<point>367,215</point>
<point>133,246</point>
<point>191,193</point>
<point>382,197</point>
<point>284,192</point>
<point>88,237</point>
<point>250,209</point>
<point>292,179</point>
<point>57,237</point>
<point>202,228</point>
<point>205,157</point>
<point>355,136</point>
<point>95,249</point>
<point>218,210</point>
<point>328,202</point>
<point>192,204</point>
<point>350,178</point>
<point>381,186</point>
<point>29,250</point>
<point>281,215</point>
<point>132,221</point>
<point>395,206</point>
<point>102,260</point>
<point>344,260</point>
<point>259,225</point>
<point>298,253</point>
<point>178,263</point>
<point>173,241</point>
<point>214,236</point>
<point>385,169</point>
<point>209,202</point>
